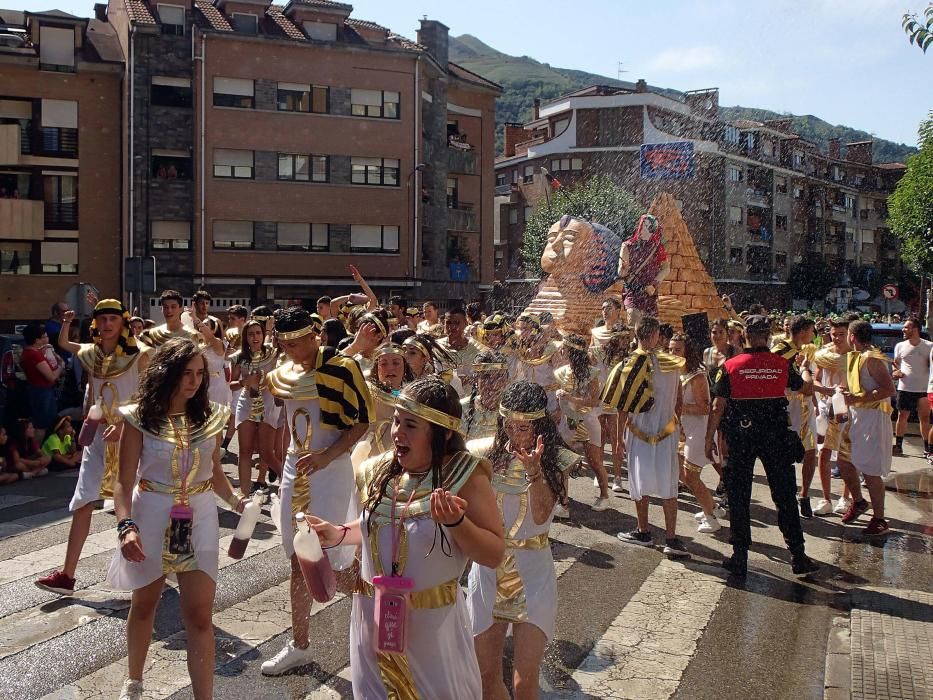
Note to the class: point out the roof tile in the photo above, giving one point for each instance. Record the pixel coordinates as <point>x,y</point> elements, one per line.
<point>139,12</point>
<point>274,12</point>
<point>213,16</point>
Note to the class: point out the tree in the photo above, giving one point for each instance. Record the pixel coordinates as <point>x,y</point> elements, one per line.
<point>911,205</point>
<point>920,32</point>
<point>599,200</point>
<point>809,279</point>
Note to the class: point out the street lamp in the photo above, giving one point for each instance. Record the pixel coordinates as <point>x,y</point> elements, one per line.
<point>414,234</point>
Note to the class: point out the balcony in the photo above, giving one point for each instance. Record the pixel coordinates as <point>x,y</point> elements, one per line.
<point>10,144</point>
<point>462,218</point>
<point>56,142</point>
<point>758,197</point>
<point>461,161</point>
<point>22,219</point>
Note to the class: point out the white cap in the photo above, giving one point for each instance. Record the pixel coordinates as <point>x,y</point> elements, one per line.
<point>300,517</point>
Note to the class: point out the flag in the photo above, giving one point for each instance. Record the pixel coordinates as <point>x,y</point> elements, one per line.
<point>551,180</point>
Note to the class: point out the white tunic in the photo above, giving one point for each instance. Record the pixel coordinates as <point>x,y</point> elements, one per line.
<point>694,426</point>
<point>270,412</point>
<point>870,433</point>
<point>218,390</point>
<point>654,469</point>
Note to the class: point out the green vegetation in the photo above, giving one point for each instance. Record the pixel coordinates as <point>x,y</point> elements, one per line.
<point>523,79</point>
<point>919,31</point>
<point>911,205</point>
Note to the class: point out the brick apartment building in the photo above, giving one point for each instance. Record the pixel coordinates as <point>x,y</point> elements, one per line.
<point>760,198</point>
<point>273,146</point>
<point>60,125</point>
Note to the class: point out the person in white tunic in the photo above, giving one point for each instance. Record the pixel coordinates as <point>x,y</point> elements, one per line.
<point>168,520</point>
<point>530,465</point>
<point>215,350</point>
<point>869,429</point>
<point>390,373</point>
<point>647,393</point>
<point>429,508</point>
<point>328,408</point>
<point>480,409</point>
<point>535,355</point>
<point>113,364</point>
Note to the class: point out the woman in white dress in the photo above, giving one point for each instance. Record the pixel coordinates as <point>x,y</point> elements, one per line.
<point>168,522</point>
<point>481,408</point>
<point>391,373</point>
<point>257,416</point>
<point>428,509</point>
<point>215,351</point>
<point>529,465</point>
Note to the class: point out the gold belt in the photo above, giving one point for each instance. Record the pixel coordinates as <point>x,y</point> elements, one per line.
<point>441,596</point>
<point>156,487</point>
<point>666,431</point>
<point>884,406</point>
<point>536,542</point>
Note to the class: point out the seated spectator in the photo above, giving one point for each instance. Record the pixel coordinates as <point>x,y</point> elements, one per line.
<point>42,368</point>
<point>6,476</point>
<point>22,451</point>
<point>61,446</point>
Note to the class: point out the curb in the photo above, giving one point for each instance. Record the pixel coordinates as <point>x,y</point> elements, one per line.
<point>837,675</point>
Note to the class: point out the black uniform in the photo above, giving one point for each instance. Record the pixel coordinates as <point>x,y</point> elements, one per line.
<point>755,425</point>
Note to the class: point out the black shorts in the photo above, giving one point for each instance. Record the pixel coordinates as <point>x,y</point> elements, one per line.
<point>907,400</point>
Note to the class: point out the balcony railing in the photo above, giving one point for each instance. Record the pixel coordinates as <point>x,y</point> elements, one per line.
<point>463,218</point>
<point>57,142</point>
<point>21,219</point>
<point>459,161</point>
<point>61,215</point>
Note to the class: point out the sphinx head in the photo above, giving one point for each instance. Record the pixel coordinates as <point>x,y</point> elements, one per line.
<point>582,251</point>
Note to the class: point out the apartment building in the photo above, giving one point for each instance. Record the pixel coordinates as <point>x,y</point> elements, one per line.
<point>60,127</point>
<point>757,198</point>
<point>275,146</point>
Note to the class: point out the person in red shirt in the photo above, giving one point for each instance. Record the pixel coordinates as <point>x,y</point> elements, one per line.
<point>42,368</point>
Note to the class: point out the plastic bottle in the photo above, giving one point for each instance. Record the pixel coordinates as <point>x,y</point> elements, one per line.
<point>90,424</point>
<point>315,566</point>
<point>244,529</point>
<point>840,409</point>
<point>275,512</point>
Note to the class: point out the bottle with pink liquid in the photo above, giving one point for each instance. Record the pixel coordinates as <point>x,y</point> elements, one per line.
<point>315,566</point>
<point>90,424</point>
<point>244,529</point>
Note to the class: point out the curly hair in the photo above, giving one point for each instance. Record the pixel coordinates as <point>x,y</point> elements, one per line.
<point>529,397</point>
<point>434,393</point>
<point>579,361</point>
<point>163,377</point>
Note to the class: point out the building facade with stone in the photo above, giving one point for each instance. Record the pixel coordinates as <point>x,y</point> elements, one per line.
<point>757,198</point>
<point>60,223</point>
<point>272,147</point>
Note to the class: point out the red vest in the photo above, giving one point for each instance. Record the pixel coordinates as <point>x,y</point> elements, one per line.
<point>757,375</point>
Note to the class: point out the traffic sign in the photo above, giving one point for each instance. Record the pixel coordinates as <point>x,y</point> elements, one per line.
<point>889,291</point>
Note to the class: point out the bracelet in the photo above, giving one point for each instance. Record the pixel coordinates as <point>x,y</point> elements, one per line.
<point>531,478</point>
<point>342,538</point>
<point>233,501</point>
<point>125,526</point>
<point>456,523</point>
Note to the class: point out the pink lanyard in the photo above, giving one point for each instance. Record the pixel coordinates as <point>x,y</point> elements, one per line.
<point>397,531</point>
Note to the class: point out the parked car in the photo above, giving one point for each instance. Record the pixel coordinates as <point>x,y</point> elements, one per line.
<point>885,336</point>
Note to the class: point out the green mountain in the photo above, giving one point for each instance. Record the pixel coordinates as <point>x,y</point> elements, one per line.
<point>523,79</point>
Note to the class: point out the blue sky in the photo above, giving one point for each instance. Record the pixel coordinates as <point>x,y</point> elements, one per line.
<point>846,61</point>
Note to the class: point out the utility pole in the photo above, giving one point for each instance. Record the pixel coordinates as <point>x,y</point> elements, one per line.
<point>619,70</point>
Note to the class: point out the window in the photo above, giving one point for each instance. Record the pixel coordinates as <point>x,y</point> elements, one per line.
<point>798,193</point>
<point>732,135</point>
<point>780,184</point>
<point>172,18</point>
<point>780,260</point>
<point>59,128</point>
<point>61,201</point>
<point>780,222</point>
<point>171,235</point>
<point>868,237</point>
<point>838,174</point>
<point>452,199</point>
<point>321,31</point>
<point>735,256</point>
<point>312,237</point>
<point>527,212</point>
<point>559,126</point>
<point>500,179</point>
<point>858,180</point>
<point>233,163</point>
<point>735,215</point>
<point>849,201</point>
<point>733,173</point>
<point>56,49</point>
<point>300,167</point>
<point>374,103</point>
<point>15,257</point>
<point>750,141</point>
<point>245,23</point>
<point>170,165</point>
<point>576,164</point>
<point>233,234</point>
<point>373,239</point>
<point>798,159</point>
<point>515,177</point>
<point>513,215</point>
<point>559,164</point>
<point>529,173</point>
<point>767,148</point>
<point>374,171</point>
<point>59,257</point>
<point>171,92</point>
<point>297,97</point>
<point>234,92</point>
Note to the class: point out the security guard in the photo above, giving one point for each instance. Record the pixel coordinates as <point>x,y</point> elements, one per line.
<point>748,392</point>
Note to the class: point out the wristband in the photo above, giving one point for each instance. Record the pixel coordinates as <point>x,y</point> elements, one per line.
<point>456,523</point>
<point>342,538</point>
<point>233,501</point>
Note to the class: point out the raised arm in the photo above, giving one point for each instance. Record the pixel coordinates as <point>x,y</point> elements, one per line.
<point>63,341</point>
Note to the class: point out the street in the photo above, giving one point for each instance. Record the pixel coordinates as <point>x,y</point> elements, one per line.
<point>630,622</point>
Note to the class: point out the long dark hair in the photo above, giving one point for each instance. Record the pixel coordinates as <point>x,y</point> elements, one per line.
<point>579,361</point>
<point>434,393</point>
<point>485,357</point>
<point>438,358</point>
<point>245,352</point>
<point>407,376</point>
<point>161,379</point>
<point>334,331</point>
<point>528,397</point>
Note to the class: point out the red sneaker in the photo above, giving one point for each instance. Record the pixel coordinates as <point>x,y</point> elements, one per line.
<point>877,526</point>
<point>855,509</point>
<point>57,582</point>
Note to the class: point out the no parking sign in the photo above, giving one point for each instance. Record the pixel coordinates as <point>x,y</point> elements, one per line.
<point>889,291</point>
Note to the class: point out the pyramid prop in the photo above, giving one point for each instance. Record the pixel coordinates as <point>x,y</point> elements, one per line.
<point>688,289</point>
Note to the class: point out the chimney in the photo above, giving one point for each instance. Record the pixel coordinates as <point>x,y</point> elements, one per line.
<point>833,148</point>
<point>859,152</point>
<point>100,11</point>
<point>536,109</point>
<point>513,133</point>
<point>641,85</point>
<point>433,36</point>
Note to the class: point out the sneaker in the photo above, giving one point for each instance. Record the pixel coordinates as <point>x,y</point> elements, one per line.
<point>718,512</point>
<point>617,485</point>
<point>290,657</point>
<point>57,582</point>
<point>856,508</point>
<point>595,482</point>
<point>638,537</point>
<point>600,504</point>
<point>877,526</point>
<point>709,525</point>
<point>132,690</point>
<point>823,507</point>
<point>803,565</point>
<point>735,565</point>
<point>673,547</point>
<point>842,505</point>
<point>897,451</point>
<point>561,512</point>
<point>805,510</point>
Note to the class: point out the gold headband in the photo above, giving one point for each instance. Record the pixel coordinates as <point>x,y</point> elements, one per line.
<point>533,319</point>
<point>412,311</point>
<point>431,415</point>
<point>109,306</point>
<point>261,319</point>
<point>490,366</point>
<point>388,349</point>
<point>518,415</point>
<point>370,318</point>
<point>576,346</point>
<point>413,342</point>
<point>294,335</point>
